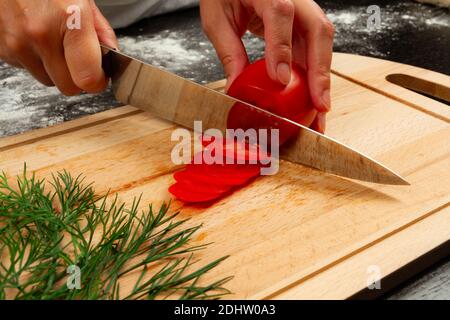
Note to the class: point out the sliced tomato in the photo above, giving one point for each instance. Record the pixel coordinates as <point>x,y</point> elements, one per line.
<point>204,187</point>
<point>229,178</point>
<point>182,192</point>
<point>235,151</point>
<point>193,190</point>
<point>221,169</point>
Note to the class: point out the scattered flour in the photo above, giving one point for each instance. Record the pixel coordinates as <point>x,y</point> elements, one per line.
<point>439,21</point>
<point>343,17</point>
<point>12,91</point>
<point>171,50</point>
<point>352,33</point>
<point>26,104</point>
<point>408,17</point>
<point>183,54</point>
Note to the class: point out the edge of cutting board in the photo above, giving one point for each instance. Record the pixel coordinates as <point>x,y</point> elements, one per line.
<point>354,283</point>
<point>371,73</point>
<point>428,233</point>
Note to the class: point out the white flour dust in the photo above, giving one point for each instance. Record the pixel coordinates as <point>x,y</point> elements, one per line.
<point>14,89</point>
<point>343,17</point>
<point>184,55</point>
<point>439,21</point>
<point>26,104</point>
<point>171,51</point>
<point>352,32</point>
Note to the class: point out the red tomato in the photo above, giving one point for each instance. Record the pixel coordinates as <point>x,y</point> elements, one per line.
<point>222,169</point>
<point>254,86</point>
<point>206,183</point>
<point>238,151</point>
<point>208,174</point>
<point>195,190</point>
<point>183,192</point>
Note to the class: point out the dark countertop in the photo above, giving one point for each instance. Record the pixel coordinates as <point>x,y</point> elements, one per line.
<point>410,33</point>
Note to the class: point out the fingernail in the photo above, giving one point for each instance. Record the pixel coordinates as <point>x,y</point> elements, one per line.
<point>284,73</point>
<point>227,84</point>
<point>322,122</point>
<point>326,100</point>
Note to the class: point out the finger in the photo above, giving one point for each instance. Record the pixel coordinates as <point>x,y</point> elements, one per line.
<point>232,54</point>
<point>319,123</point>
<point>35,66</point>
<point>51,52</point>
<point>256,26</point>
<point>104,30</point>
<point>319,55</point>
<point>278,18</point>
<point>56,67</point>
<point>83,54</point>
<point>25,57</point>
<point>227,42</point>
<point>7,59</point>
<point>299,50</point>
<point>318,32</point>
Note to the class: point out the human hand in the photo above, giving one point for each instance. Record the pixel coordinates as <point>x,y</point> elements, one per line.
<point>34,35</point>
<point>294,30</point>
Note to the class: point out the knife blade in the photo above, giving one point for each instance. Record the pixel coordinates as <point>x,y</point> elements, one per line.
<point>182,101</point>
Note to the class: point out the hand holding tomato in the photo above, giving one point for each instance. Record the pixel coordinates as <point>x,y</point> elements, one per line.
<point>294,30</point>
<point>255,86</point>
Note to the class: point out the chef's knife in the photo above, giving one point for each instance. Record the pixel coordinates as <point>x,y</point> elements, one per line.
<point>182,101</point>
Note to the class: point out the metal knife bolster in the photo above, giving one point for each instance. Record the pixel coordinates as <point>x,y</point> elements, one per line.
<point>183,101</point>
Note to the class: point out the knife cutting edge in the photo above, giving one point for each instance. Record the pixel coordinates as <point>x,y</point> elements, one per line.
<point>182,101</point>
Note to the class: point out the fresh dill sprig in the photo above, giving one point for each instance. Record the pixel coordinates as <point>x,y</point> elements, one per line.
<point>48,227</point>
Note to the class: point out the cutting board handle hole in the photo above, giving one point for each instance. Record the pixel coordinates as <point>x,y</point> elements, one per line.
<point>426,88</point>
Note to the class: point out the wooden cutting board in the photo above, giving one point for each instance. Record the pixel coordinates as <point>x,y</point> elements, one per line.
<point>301,233</point>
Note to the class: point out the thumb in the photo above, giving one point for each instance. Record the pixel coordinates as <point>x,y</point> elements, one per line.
<point>105,32</point>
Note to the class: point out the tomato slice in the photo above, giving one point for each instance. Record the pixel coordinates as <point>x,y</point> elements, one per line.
<point>224,171</point>
<point>230,178</point>
<point>194,190</point>
<point>237,151</point>
<point>183,192</point>
<point>220,169</point>
<point>207,182</point>
<point>208,187</point>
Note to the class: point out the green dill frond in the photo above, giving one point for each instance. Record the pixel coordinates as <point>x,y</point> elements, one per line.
<point>46,228</point>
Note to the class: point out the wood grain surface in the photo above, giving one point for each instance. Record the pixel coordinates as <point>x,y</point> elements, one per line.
<point>301,233</point>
